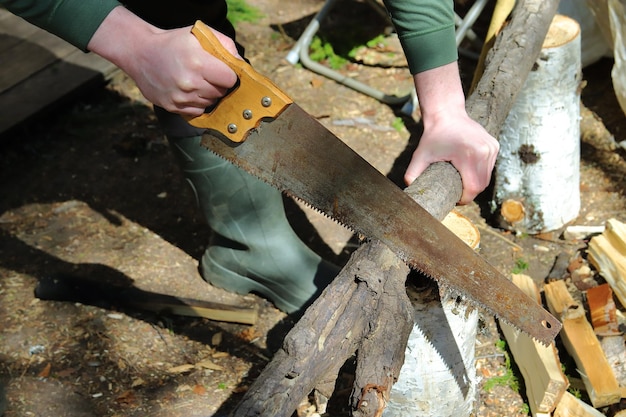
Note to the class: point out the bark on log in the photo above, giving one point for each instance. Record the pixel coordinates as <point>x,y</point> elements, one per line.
<point>537,174</point>
<point>366,308</point>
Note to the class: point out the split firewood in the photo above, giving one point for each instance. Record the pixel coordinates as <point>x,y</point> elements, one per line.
<point>570,406</point>
<point>602,310</point>
<point>540,365</point>
<point>607,253</point>
<point>583,345</point>
<point>604,320</point>
<point>615,352</point>
<point>577,232</point>
<point>368,299</point>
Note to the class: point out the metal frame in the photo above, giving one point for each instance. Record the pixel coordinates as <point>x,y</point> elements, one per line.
<point>300,52</point>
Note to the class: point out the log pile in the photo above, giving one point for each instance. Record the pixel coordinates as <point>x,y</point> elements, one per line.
<point>592,337</point>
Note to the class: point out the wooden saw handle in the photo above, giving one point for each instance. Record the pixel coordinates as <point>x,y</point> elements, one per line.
<point>254,98</point>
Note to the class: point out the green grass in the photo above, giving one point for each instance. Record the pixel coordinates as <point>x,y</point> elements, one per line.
<point>241,11</point>
<point>322,51</point>
<point>520,266</point>
<point>344,49</point>
<point>398,124</point>
<point>508,379</point>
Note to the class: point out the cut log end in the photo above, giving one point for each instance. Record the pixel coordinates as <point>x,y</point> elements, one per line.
<point>512,211</point>
<point>562,31</point>
<point>463,228</point>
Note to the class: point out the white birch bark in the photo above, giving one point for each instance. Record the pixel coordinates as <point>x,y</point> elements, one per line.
<point>537,172</point>
<point>438,377</point>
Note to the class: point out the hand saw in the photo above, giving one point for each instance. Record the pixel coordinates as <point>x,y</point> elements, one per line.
<point>260,129</point>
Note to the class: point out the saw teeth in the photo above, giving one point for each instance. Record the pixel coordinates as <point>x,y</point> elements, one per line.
<point>288,194</point>
<point>347,226</point>
<point>445,289</point>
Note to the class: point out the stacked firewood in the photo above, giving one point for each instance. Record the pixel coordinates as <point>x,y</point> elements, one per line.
<point>584,293</point>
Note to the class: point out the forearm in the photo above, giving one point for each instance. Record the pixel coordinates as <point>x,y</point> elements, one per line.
<point>449,133</point>
<point>440,93</point>
<point>72,20</point>
<point>122,37</point>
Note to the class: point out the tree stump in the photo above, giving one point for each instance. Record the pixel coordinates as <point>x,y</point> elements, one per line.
<point>538,169</point>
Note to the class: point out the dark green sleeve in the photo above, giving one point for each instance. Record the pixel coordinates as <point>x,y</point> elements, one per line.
<point>426,31</point>
<point>72,20</point>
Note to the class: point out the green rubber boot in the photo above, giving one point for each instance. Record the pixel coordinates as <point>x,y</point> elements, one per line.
<point>253,247</point>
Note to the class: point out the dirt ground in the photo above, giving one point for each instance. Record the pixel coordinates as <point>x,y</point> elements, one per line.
<point>90,191</point>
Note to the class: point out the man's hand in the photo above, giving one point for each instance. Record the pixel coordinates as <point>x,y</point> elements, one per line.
<point>170,67</point>
<point>466,145</point>
<point>450,134</point>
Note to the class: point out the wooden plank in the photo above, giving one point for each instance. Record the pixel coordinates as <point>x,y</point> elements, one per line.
<point>48,86</point>
<point>583,345</point>
<point>39,69</point>
<point>15,27</point>
<point>540,365</point>
<point>30,51</point>
<point>27,58</point>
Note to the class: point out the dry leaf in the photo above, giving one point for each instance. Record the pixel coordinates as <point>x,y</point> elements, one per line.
<point>181,369</point>
<point>317,82</point>
<point>65,372</point>
<point>45,372</point>
<point>216,340</point>
<point>207,364</point>
<point>249,334</point>
<point>137,382</point>
<point>199,389</point>
<point>127,397</point>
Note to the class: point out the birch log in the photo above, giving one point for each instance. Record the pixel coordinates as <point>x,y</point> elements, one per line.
<point>537,171</point>
<point>439,375</point>
<point>352,311</point>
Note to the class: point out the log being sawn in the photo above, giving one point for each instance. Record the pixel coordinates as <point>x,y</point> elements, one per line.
<point>366,308</point>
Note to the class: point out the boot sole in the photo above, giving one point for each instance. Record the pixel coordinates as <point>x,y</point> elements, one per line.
<point>228,280</point>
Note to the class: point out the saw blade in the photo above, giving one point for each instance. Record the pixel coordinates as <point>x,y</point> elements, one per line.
<point>299,156</point>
